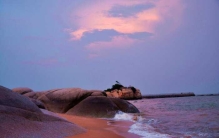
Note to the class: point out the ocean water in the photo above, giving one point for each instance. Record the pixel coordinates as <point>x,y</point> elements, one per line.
<point>183,117</point>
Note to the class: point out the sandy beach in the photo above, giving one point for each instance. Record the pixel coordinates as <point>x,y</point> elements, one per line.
<point>100,128</point>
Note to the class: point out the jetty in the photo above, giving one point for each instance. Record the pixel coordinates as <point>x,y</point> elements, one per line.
<point>213,94</point>
<point>183,94</point>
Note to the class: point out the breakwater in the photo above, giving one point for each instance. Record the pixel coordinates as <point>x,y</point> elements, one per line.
<point>183,94</point>
<point>215,94</point>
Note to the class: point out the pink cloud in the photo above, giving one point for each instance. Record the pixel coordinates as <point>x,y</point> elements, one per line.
<point>94,17</point>
<point>78,34</point>
<point>120,41</point>
<point>163,17</point>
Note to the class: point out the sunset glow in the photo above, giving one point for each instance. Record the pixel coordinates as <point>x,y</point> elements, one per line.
<point>155,14</point>
<point>159,46</point>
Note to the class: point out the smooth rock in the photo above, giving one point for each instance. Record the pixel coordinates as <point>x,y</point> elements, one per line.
<point>12,99</point>
<point>102,107</point>
<point>21,118</point>
<point>124,105</point>
<point>95,106</point>
<point>61,100</point>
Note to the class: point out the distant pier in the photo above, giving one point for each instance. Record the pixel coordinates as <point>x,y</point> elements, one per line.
<point>183,94</point>
<point>215,94</point>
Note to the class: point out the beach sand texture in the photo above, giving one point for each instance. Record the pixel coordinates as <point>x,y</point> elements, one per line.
<point>98,128</point>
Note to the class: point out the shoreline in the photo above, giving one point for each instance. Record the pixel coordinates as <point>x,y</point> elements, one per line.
<point>121,128</point>
<point>97,128</point>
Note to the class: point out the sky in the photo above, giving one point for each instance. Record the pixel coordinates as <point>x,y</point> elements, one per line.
<point>156,46</point>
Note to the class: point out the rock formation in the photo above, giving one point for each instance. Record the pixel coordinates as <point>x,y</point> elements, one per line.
<point>22,118</point>
<point>30,94</point>
<point>127,93</point>
<point>61,100</point>
<point>11,99</point>
<point>76,101</point>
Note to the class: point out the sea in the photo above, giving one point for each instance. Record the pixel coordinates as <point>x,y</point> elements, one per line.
<point>181,117</point>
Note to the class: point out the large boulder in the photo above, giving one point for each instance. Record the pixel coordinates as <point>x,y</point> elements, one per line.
<point>61,100</point>
<point>22,118</point>
<point>102,107</point>
<point>12,99</point>
<point>27,92</point>
<point>124,105</point>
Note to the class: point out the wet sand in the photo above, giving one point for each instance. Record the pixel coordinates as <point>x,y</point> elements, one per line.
<point>99,128</point>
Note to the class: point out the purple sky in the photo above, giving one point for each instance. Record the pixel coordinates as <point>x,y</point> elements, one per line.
<point>155,45</point>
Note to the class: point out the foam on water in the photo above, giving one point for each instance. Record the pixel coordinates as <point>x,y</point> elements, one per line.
<point>123,116</point>
<point>141,127</point>
<point>146,131</point>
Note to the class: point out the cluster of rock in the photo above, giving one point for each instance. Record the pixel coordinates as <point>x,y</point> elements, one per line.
<point>125,93</point>
<point>20,117</point>
<point>25,113</point>
<point>77,101</point>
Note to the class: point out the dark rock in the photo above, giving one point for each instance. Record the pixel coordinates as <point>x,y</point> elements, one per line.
<point>95,107</point>
<point>102,107</point>
<point>125,106</point>
<point>12,99</point>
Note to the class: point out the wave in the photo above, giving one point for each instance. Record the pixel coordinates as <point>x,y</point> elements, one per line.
<point>141,126</point>
<point>127,117</point>
<point>146,131</point>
